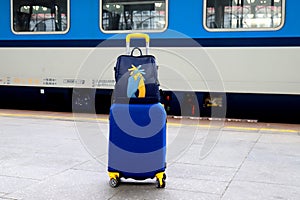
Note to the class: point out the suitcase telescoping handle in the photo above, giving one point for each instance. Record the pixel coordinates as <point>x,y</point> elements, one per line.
<point>137,35</point>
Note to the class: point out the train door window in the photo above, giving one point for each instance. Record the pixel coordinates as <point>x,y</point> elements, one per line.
<point>41,16</point>
<point>128,15</point>
<point>232,15</point>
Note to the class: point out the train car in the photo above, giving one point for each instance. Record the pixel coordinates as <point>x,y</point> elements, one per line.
<point>228,58</point>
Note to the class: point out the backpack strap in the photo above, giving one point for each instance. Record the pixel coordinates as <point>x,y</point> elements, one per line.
<point>136,48</point>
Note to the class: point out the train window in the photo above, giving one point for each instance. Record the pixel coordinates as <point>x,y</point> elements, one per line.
<point>130,15</point>
<point>231,15</point>
<point>40,16</point>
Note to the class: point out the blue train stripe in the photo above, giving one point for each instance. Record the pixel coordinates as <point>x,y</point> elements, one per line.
<point>204,42</point>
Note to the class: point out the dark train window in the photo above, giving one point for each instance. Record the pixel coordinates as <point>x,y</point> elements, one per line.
<point>231,15</point>
<point>40,16</point>
<point>127,15</point>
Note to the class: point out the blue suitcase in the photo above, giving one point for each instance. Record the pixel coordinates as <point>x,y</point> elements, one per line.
<point>137,143</point>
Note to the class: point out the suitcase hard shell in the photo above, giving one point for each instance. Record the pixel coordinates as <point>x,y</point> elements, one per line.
<point>137,141</point>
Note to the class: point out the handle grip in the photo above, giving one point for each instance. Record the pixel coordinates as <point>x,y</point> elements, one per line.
<point>138,36</point>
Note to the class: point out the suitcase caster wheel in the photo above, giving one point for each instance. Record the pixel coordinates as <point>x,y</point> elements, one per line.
<point>160,184</point>
<point>114,182</point>
<point>114,179</point>
<point>161,180</point>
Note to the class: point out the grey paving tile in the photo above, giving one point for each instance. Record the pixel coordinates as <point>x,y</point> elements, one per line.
<point>2,194</point>
<point>234,137</point>
<point>37,149</point>
<point>197,185</point>
<point>272,163</point>
<point>280,138</point>
<point>92,165</point>
<point>180,140</point>
<point>93,136</point>
<point>224,154</point>
<point>39,165</point>
<point>252,191</point>
<point>150,193</point>
<point>201,172</point>
<point>229,149</point>
<point>72,184</point>
<point>35,137</point>
<point>6,198</point>
<point>11,184</point>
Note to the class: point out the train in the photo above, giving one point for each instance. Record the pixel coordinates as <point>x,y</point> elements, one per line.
<point>229,59</point>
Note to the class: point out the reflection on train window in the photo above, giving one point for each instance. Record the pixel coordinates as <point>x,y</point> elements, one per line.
<point>144,15</point>
<point>244,14</point>
<point>40,16</point>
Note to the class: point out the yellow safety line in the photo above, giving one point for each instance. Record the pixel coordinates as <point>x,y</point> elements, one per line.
<point>262,129</point>
<point>279,130</point>
<point>242,128</point>
<point>75,118</point>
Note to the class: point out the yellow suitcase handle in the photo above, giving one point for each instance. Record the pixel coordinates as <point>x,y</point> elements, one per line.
<point>138,36</point>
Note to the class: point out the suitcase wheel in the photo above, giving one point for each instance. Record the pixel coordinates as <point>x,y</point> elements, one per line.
<point>114,179</point>
<point>114,182</point>
<point>161,180</point>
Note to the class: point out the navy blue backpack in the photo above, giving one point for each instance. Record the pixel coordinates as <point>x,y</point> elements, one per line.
<point>136,76</point>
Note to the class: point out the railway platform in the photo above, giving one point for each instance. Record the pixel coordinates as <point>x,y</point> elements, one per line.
<point>62,156</point>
